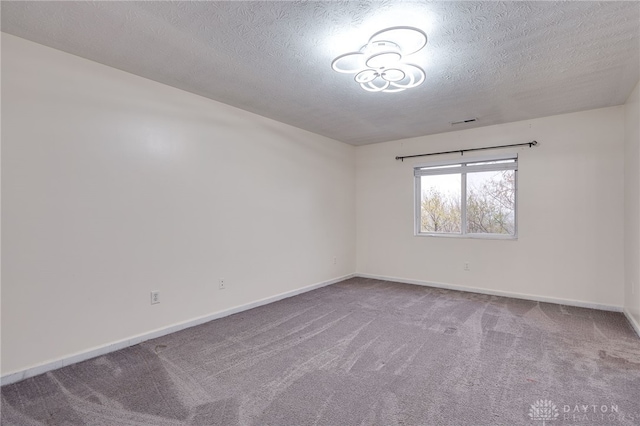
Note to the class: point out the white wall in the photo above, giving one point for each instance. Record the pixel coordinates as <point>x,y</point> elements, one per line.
<point>632,205</point>
<point>114,185</point>
<point>570,212</point>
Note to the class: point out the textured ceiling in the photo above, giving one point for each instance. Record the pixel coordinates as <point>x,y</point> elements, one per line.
<point>497,61</point>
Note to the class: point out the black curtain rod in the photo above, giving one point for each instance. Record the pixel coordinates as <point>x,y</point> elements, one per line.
<point>462,151</point>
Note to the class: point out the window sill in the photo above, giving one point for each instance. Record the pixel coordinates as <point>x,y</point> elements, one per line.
<point>471,236</point>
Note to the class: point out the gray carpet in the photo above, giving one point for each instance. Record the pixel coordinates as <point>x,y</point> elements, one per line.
<point>361,352</point>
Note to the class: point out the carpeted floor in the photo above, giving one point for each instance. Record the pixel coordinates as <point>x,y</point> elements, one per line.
<point>361,352</point>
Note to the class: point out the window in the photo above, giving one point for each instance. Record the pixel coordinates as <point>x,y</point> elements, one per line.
<point>473,198</point>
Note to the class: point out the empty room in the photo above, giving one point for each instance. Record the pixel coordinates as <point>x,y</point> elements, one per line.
<point>320,213</point>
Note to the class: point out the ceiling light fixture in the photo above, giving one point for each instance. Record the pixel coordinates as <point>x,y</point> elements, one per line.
<point>379,65</point>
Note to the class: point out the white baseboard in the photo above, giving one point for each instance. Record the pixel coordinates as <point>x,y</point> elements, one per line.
<point>555,300</point>
<point>632,321</point>
<point>112,347</point>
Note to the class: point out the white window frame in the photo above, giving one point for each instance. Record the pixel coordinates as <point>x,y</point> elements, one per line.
<point>462,170</point>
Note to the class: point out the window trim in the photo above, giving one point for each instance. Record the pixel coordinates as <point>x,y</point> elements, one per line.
<point>417,190</point>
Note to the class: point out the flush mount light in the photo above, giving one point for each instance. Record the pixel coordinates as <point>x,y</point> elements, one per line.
<point>379,66</point>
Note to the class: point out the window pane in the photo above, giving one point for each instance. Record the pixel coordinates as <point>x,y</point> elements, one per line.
<point>440,203</point>
<point>491,202</point>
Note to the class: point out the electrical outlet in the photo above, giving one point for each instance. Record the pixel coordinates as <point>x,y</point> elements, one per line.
<point>466,266</point>
<point>155,297</point>
<point>221,284</point>
<point>335,260</point>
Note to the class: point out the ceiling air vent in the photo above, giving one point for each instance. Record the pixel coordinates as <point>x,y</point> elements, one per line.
<point>470,120</point>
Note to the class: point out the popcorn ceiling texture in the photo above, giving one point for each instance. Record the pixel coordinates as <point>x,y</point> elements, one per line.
<point>498,61</point>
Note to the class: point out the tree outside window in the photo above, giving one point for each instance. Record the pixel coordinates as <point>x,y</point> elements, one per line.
<point>470,198</point>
